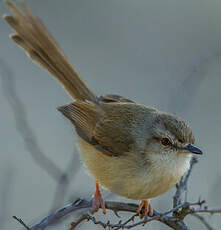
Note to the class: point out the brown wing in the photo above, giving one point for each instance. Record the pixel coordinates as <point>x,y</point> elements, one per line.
<point>108,98</point>
<point>101,129</point>
<point>84,116</point>
<point>112,137</point>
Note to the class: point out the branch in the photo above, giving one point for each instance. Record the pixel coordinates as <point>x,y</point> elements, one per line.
<point>182,185</point>
<point>174,222</point>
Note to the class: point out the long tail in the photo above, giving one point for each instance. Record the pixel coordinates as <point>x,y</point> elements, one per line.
<point>32,35</point>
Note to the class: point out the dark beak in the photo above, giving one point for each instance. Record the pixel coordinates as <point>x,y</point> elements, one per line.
<point>192,149</point>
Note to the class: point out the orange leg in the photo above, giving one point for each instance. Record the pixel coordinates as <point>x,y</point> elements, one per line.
<point>98,201</point>
<point>148,210</point>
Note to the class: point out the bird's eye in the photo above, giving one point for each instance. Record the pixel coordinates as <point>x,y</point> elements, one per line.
<point>165,141</point>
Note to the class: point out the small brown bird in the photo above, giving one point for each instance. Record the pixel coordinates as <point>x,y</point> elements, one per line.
<point>132,150</point>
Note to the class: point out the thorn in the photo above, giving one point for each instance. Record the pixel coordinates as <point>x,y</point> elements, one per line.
<point>202,202</point>
<point>133,218</point>
<point>199,200</point>
<point>116,213</point>
<point>78,201</point>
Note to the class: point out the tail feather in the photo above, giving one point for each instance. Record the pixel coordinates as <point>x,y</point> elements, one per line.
<point>32,35</point>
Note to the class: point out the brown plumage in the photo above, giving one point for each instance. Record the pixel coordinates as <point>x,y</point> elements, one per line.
<point>131,149</point>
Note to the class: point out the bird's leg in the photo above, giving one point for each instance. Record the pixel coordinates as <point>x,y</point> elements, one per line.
<point>98,201</point>
<point>148,210</point>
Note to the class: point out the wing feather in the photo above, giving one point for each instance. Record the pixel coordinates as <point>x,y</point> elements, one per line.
<point>103,130</point>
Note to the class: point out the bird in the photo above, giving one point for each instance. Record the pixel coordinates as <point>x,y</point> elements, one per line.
<point>133,150</point>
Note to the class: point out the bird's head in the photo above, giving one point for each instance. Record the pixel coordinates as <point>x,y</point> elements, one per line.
<point>171,135</point>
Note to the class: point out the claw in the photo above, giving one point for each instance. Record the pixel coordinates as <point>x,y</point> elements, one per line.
<point>148,210</point>
<point>98,201</point>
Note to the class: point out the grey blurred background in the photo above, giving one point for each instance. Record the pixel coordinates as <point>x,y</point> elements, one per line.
<point>163,53</point>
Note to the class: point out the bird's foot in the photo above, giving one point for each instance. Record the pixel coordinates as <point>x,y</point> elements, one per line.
<point>98,201</point>
<point>145,209</point>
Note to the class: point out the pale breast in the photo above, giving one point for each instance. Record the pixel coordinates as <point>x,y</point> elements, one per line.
<point>166,170</point>
<point>124,176</point>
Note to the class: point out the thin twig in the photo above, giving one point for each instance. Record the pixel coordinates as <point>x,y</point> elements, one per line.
<point>202,219</point>
<point>21,222</point>
<point>80,220</point>
<point>128,221</point>
<point>210,211</point>
<point>182,185</point>
<point>54,217</point>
